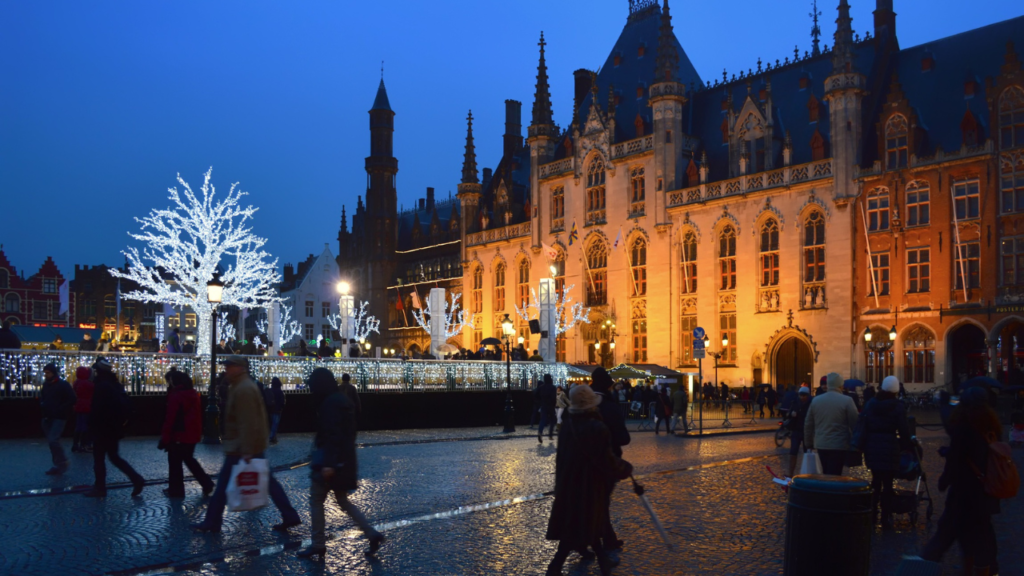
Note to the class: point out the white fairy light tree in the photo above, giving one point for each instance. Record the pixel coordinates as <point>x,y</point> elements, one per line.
<point>187,244</point>
<point>362,324</point>
<point>567,312</point>
<point>286,328</point>
<point>225,329</point>
<point>454,317</point>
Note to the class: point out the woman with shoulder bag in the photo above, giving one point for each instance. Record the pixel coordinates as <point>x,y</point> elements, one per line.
<point>183,428</point>
<point>882,433</point>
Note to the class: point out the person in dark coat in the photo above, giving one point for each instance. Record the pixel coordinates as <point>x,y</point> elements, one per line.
<point>662,409</point>
<point>967,517</point>
<point>87,344</point>
<point>771,398</point>
<point>174,342</point>
<point>353,396</point>
<point>334,467</point>
<point>680,401</point>
<point>274,399</point>
<point>869,393</point>
<point>83,405</point>
<point>57,404</point>
<point>183,428</point>
<point>886,433</point>
<point>615,420</point>
<point>304,349</point>
<point>585,468</point>
<point>546,397</point>
<point>8,339</point>
<point>797,417</point>
<point>106,422</point>
<point>762,398</point>
<point>822,386</point>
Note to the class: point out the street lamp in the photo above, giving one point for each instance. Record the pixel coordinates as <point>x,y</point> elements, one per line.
<point>892,333</point>
<point>508,328</point>
<point>211,431</point>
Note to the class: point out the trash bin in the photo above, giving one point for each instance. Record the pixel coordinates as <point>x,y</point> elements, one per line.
<point>828,526</point>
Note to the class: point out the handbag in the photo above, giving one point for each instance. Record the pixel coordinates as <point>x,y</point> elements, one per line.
<point>811,464</point>
<point>249,486</point>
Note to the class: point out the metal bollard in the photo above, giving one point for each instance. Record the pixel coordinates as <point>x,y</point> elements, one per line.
<point>828,527</point>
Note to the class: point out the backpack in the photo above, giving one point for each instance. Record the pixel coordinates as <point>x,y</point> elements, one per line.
<point>1000,478</point>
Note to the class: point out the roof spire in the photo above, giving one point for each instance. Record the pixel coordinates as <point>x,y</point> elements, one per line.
<point>344,220</point>
<point>542,97</point>
<point>842,51</point>
<point>668,58</point>
<point>815,29</point>
<point>469,163</point>
<point>381,101</point>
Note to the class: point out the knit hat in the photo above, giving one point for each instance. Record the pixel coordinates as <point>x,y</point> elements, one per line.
<point>51,368</point>
<point>102,364</point>
<point>582,398</point>
<point>891,384</point>
<point>835,382</point>
<point>805,390</point>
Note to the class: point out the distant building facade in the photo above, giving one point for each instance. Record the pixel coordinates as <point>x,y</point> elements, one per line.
<point>787,211</point>
<point>32,301</point>
<point>311,291</point>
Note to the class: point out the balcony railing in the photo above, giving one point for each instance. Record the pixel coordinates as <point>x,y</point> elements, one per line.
<point>499,234</point>
<point>556,168</point>
<point>752,183</point>
<point>635,146</point>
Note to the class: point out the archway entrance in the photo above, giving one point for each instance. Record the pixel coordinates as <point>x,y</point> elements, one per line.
<point>793,363</point>
<point>967,352</point>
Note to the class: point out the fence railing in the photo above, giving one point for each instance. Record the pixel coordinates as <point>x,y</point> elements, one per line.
<point>21,372</point>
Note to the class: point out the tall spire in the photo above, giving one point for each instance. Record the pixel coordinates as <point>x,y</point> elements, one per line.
<point>344,220</point>
<point>469,163</point>
<point>381,101</point>
<point>542,98</point>
<point>815,29</point>
<point>667,64</point>
<point>842,51</point>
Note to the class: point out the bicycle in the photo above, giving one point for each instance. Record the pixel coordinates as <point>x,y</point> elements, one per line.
<point>783,433</point>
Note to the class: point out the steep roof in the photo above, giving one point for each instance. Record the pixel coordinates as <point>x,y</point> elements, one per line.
<point>381,101</point>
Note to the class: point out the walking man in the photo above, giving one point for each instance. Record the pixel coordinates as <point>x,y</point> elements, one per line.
<point>56,402</point>
<point>546,397</point>
<point>829,425</point>
<point>334,467</point>
<point>680,401</point>
<point>245,437</point>
<point>110,408</point>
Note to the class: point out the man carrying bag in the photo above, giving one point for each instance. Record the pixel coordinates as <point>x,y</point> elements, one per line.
<point>334,466</point>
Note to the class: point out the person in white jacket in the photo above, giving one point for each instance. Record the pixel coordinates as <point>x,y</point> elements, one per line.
<point>829,426</point>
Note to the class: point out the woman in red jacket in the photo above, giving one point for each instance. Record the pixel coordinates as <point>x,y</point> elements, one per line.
<point>183,427</point>
<point>83,405</point>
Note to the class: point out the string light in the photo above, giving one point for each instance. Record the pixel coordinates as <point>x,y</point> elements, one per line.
<point>362,324</point>
<point>286,328</point>
<point>454,317</point>
<point>566,319</point>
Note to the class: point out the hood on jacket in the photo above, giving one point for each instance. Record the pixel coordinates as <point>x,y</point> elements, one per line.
<point>601,381</point>
<point>275,383</point>
<point>83,373</point>
<point>321,384</point>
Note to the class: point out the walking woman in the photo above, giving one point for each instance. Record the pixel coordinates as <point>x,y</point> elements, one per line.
<point>183,426</point>
<point>886,432</point>
<point>761,399</point>
<point>585,471</point>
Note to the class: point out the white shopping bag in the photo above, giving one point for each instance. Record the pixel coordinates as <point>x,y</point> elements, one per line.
<point>811,463</point>
<point>248,488</point>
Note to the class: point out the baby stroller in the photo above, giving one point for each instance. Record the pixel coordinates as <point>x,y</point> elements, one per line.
<point>907,501</point>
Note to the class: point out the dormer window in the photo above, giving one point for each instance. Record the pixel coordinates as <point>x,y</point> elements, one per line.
<point>896,148</point>
<point>641,50</point>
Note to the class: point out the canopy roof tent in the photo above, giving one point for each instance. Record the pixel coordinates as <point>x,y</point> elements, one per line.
<point>628,372</point>
<point>662,373</point>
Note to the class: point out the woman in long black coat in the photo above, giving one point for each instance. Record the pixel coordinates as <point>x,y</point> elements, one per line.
<point>886,433</point>
<point>585,470</point>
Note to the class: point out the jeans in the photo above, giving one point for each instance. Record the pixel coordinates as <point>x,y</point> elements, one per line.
<point>275,419</point>
<point>106,447</point>
<point>52,429</point>
<point>215,509</point>
<point>547,418</point>
<point>82,422</point>
<point>677,418</point>
<point>318,492</point>
<point>178,454</point>
<point>832,461</point>
<point>881,487</point>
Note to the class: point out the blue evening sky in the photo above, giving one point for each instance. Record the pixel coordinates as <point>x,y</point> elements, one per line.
<point>103,102</point>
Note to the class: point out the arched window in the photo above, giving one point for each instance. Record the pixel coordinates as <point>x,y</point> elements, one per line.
<point>770,253</point>
<point>896,149</point>
<point>595,192</point>
<point>638,191</point>
<point>597,268</point>
<point>559,274</point>
<point>499,287</point>
<point>478,289</point>
<point>814,247</point>
<point>918,206</point>
<point>727,258</point>
<point>688,263</point>
<point>523,284</point>
<point>558,208</point>
<point>879,362</point>
<point>12,304</point>
<point>638,265</point>
<point>1011,117</point>
<point>878,209</point>
<point>919,356</point>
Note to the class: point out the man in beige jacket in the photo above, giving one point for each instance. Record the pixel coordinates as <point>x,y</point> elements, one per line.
<point>829,426</point>
<point>245,438</point>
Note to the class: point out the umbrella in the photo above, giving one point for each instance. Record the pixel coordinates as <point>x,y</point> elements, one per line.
<point>490,342</point>
<point>447,348</point>
<point>853,384</point>
<point>624,371</point>
<point>982,381</point>
<point>639,489</point>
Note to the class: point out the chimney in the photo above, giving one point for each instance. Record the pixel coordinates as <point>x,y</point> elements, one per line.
<point>289,273</point>
<point>513,127</point>
<point>885,25</point>
<point>430,199</point>
<point>487,177</point>
<point>584,79</point>
<point>423,204</point>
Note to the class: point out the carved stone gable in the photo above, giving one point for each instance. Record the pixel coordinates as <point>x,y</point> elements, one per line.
<point>751,122</point>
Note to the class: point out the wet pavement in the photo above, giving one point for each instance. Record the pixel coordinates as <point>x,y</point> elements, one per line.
<point>475,506</point>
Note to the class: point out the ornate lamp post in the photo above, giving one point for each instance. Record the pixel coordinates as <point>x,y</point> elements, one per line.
<point>211,431</point>
<point>509,330</point>
<point>879,347</point>
<point>345,302</point>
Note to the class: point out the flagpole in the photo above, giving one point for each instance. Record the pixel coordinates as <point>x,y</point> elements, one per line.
<point>118,335</point>
<point>867,245</point>
<point>956,228</point>
<point>629,260</point>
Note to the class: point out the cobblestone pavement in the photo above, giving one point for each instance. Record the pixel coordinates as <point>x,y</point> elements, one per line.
<point>723,519</point>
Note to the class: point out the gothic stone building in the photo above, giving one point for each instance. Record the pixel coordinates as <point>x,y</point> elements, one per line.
<point>789,209</point>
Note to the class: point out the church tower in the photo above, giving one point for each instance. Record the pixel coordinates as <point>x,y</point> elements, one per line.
<point>844,91</point>
<point>469,188</point>
<point>667,97</point>
<point>381,216</point>
<point>542,139</point>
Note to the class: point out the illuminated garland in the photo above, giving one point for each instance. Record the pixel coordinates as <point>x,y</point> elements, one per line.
<point>566,319</point>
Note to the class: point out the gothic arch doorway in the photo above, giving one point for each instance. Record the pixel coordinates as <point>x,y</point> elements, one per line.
<point>793,363</point>
<point>967,351</point>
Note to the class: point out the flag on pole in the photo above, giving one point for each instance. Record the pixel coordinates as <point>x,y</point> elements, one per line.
<point>618,239</point>
<point>398,303</point>
<point>65,298</point>
<point>119,299</point>
<point>416,300</point>
<point>550,252</point>
<point>574,233</point>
